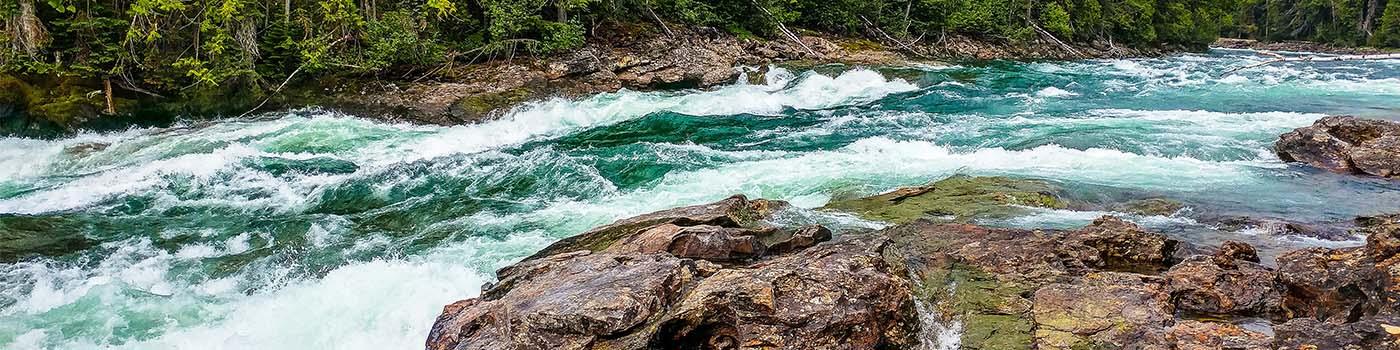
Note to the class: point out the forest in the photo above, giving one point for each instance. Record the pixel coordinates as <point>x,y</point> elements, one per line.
<point>163,46</point>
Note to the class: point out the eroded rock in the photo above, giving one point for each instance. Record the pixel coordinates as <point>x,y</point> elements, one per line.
<point>1345,144</point>
<point>1210,286</point>
<point>567,301</point>
<point>834,296</point>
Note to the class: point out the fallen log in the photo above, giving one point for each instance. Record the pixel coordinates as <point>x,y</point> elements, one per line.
<point>1280,58</point>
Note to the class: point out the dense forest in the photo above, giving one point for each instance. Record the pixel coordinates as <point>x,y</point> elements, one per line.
<point>1341,22</point>
<point>162,46</point>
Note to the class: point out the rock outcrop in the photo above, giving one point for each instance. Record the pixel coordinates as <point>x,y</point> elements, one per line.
<point>691,278</point>
<point>719,276</point>
<point>1345,144</point>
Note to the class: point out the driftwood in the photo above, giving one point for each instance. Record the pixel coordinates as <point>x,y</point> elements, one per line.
<point>1057,41</point>
<point>784,28</point>
<point>1280,58</point>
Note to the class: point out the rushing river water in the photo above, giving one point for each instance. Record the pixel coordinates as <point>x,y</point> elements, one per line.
<point>318,230</point>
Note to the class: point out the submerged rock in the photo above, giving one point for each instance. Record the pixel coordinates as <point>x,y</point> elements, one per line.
<point>1150,206</point>
<point>1279,227</point>
<point>84,149</point>
<point>1345,144</point>
<point>23,236</point>
<point>959,198</point>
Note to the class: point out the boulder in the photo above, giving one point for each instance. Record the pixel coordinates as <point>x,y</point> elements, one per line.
<point>834,296</point>
<point>1205,285</point>
<point>691,278</point>
<point>1328,284</point>
<point>568,301</point>
<point>1123,246</point>
<point>1345,144</point>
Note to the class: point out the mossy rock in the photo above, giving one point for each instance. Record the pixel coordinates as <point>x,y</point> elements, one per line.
<point>959,198</point>
<point>480,106</point>
<point>994,313</point>
<point>1150,206</point>
<point>857,44</point>
<point>24,236</point>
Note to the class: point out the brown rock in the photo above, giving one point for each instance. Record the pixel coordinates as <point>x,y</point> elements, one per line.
<point>834,296</point>
<point>1198,335</point>
<point>651,285</point>
<point>734,212</point>
<point>569,301</point>
<point>1123,246</point>
<point>1201,285</point>
<point>1369,333</point>
<point>1345,144</point>
<point>697,242</point>
<point>801,239</point>
<point>1230,251</point>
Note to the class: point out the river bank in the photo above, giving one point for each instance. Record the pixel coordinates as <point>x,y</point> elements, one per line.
<point>637,57</point>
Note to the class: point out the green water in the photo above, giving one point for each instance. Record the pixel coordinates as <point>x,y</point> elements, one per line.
<point>317,230</point>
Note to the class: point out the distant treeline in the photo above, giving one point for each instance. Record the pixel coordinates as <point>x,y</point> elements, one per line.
<point>163,46</point>
<point>1341,22</point>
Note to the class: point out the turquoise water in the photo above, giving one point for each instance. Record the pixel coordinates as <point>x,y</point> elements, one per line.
<point>312,229</point>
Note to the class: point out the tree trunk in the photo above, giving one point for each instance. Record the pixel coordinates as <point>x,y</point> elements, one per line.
<point>1372,7</point>
<point>107,91</point>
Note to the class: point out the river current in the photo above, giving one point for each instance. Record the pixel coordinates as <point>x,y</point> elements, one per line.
<point>311,229</point>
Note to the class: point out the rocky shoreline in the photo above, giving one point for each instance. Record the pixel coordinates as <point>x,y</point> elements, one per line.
<point>1296,46</point>
<point>725,275</point>
<point>645,58</point>
<point>633,56</point>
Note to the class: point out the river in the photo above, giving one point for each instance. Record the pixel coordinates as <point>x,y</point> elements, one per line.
<point>312,229</point>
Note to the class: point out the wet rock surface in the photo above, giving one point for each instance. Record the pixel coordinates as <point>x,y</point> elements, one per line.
<point>1345,144</point>
<point>691,278</point>
<point>718,276</point>
<point>959,198</point>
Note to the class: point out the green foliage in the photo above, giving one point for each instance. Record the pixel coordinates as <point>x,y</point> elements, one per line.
<point>1056,20</point>
<point>1341,22</point>
<point>1388,33</point>
<point>175,45</point>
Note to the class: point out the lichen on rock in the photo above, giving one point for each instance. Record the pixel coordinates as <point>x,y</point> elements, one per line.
<point>959,198</point>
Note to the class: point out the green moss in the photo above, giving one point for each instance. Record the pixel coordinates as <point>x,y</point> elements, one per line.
<point>859,45</point>
<point>1151,206</point>
<point>959,198</point>
<point>994,313</point>
<point>479,106</point>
